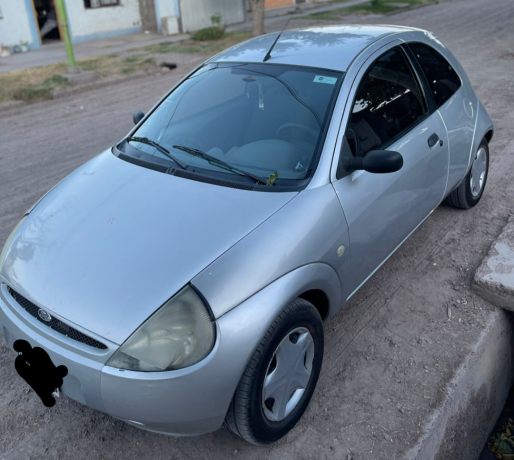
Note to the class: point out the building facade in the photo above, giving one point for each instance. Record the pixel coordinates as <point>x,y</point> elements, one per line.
<point>29,22</point>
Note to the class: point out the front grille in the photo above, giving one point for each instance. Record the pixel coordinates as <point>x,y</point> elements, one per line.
<point>54,323</point>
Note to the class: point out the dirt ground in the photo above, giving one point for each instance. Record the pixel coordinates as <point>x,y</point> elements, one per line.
<point>389,353</point>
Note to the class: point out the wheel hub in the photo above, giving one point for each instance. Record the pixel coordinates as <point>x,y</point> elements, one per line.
<point>478,171</point>
<point>288,374</point>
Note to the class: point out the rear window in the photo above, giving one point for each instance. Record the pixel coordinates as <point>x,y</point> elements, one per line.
<point>441,76</point>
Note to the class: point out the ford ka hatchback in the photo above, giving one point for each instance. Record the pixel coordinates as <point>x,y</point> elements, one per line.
<point>183,276</point>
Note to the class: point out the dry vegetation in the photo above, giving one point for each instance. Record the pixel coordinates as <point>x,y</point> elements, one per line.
<point>38,83</point>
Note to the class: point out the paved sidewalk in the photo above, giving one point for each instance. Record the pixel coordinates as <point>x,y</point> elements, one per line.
<point>52,53</point>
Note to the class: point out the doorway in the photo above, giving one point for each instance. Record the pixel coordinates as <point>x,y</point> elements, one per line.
<point>47,21</point>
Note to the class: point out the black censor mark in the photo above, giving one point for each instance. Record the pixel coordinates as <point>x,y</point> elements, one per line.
<point>36,368</point>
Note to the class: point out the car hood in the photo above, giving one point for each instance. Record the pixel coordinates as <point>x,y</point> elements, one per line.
<point>113,241</point>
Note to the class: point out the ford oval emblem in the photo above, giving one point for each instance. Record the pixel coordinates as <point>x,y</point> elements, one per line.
<point>45,316</point>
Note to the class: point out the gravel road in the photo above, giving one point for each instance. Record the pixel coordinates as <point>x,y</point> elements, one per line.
<point>389,354</point>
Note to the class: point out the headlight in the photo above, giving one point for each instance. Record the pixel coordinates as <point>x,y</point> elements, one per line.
<point>8,242</point>
<point>178,335</point>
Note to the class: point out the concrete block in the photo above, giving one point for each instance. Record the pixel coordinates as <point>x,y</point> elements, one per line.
<point>473,400</point>
<point>80,78</point>
<point>494,279</point>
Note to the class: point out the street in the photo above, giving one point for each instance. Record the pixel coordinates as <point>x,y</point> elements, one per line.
<point>389,354</point>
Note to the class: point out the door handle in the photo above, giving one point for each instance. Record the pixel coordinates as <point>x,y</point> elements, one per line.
<point>432,140</point>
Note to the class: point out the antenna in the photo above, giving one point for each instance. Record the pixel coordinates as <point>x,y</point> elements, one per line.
<point>268,54</point>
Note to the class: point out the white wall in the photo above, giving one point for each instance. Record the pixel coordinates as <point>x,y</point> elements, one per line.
<point>15,24</point>
<point>196,14</point>
<point>165,8</point>
<point>103,22</point>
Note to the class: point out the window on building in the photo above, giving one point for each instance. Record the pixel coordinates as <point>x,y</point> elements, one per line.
<point>443,80</point>
<point>100,3</point>
<point>388,103</point>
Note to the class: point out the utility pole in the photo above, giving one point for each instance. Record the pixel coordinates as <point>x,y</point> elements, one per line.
<point>258,17</point>
<point>63,20</point>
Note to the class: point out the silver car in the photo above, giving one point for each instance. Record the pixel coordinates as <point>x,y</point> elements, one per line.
<point>182,276</point>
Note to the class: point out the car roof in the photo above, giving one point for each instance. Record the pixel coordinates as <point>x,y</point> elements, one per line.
<point>329,47</point>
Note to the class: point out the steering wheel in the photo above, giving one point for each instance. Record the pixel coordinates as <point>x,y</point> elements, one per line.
<point>310,131</point>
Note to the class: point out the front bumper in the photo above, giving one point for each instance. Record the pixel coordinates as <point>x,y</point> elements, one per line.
<point>190,401</point>
<point>84,363</point>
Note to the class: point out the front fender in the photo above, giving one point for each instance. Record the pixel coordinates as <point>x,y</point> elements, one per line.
<point>195,400</point>
<point>274,297</point>
<point>302,238</point>
<point>243,327</point>
<point>269,301</point>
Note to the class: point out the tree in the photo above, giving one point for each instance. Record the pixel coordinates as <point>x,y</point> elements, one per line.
<point>258,17</point>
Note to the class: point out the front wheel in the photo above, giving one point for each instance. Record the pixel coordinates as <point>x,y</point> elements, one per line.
<point>279,380</point>
<point>470,190</point>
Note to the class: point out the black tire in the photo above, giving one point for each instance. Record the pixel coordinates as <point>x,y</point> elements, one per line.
<point>462,197</point>
<point>245,416</point>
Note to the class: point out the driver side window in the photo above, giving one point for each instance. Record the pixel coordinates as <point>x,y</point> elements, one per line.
<point>388,103</point>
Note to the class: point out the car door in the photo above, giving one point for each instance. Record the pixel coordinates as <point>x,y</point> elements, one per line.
<point>387,110</point>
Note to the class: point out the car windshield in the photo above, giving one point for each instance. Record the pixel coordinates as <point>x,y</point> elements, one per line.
<point>259,118</point>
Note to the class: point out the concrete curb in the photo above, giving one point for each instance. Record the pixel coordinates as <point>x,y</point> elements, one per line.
<point>459,427</point>
<point>475,396</point>
<point>494,279</point>
<point>8,106</point>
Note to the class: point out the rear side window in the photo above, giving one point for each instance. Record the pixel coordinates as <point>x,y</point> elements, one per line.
<point>441,76</point>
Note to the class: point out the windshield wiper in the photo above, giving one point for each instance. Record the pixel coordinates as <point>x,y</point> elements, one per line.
<point>217,161</point>
<point>160,148</point>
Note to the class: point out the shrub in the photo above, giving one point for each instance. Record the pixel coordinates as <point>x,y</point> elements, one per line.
<point>216,20</point>
<point>215,32</point>
<point>209,33</point>
<point>33,94</point>
<point>56,80</point>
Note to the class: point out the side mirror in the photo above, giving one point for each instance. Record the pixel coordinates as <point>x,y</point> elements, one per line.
<point>138,116</point>
<point>375,161</point>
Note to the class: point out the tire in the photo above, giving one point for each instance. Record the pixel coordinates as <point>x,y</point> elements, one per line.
<point>246,416</point>
<point>464,197</point>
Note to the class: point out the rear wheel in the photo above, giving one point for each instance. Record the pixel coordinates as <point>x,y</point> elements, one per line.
<point>469,192</point>
<point>280,378</point>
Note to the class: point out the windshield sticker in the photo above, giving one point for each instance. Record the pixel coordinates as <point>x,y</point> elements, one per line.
<point>327,80</point>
